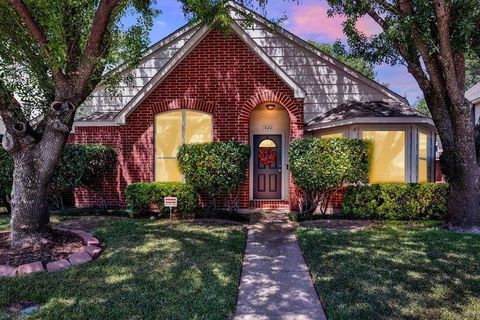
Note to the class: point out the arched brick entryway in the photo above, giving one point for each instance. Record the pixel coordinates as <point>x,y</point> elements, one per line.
<point>295,114</point>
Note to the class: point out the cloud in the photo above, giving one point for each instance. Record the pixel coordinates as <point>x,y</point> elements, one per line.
<point>312,20</point>
<point>160,23</point>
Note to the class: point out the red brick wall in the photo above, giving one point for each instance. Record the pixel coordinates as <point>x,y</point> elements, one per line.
<point>222,76</point>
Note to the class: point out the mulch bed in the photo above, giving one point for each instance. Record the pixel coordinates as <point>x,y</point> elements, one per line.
<point>59,246</point>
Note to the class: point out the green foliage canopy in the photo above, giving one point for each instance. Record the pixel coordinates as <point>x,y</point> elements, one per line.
<point>320,166</point>
<point>214,168</point>
<point>397,201</point>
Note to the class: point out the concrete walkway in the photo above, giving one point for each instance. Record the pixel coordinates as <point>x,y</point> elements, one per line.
<point>275,282</point>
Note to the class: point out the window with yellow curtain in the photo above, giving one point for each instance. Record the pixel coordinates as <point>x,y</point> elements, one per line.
<point>422,157</point>
<point>172,129</point>
<point>388,158</point>
<point>332,135</point>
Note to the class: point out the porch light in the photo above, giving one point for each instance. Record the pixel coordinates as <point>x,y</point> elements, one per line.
<point>270,107</point>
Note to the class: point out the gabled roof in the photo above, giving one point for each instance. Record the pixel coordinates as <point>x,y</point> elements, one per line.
<point>368,112</point>
<point>322,81</point>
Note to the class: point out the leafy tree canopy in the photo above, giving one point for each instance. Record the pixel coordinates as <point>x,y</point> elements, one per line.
<point>340,52</point>
<point>472,70</point>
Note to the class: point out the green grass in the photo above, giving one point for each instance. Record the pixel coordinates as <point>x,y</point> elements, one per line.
<point>149,270</point>
<point>396,271</point>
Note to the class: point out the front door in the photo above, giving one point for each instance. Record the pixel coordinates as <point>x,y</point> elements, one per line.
<point>267,166</point>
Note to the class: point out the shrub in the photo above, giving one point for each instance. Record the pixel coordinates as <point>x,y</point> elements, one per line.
<point>6,178</point>
<point>140,196</point>
<point>396,201</point>
<point>320,166</point>
<point>215,168</point>
<point>83,165</point>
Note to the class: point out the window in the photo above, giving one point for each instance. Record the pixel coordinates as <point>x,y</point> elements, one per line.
<point>267,143</point>
<point>332,135</point>
<point>173,129</point>
<point>422,157</point>
<point>388,158</point>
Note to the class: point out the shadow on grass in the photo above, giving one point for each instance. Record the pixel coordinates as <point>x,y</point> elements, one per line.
<point>149,270</point>
<point>398,271</point>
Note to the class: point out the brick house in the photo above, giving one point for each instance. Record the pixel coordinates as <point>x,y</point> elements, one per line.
<point>258,84</point>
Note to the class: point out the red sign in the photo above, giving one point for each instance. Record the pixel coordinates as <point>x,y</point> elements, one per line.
<point>170,202</point>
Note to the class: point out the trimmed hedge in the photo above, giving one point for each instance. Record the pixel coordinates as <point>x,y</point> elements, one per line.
<point>6,178</point>
<point>320,166</point>
<point>83,165</point>
<point>397,201</point>
<point>140,196</point>
<point>215,168</point>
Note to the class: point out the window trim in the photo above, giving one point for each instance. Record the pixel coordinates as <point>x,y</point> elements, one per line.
<point>183,135</point>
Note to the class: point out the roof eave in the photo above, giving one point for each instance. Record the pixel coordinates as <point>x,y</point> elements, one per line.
<point>371,120</point>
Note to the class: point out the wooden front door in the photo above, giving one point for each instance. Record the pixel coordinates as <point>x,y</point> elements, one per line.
<point>267,166</point>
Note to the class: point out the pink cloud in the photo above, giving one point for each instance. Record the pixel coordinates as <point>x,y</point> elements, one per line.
<point>312,20</point>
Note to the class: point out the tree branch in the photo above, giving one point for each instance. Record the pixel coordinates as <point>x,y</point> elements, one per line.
<point>35,31</point>
<point>17,135</point>
<point>95,42</point>
<point>446,54</point>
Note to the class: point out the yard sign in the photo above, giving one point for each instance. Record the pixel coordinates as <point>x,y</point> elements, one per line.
<point>170,202</point>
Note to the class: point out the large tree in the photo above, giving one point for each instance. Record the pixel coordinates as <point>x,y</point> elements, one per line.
<point>431,38</point>
<point>53,54</point>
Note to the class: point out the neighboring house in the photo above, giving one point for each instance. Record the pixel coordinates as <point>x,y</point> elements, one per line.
<point>473,94</point>
<point>260,85</point>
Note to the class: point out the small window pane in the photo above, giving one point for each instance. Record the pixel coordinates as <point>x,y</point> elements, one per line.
<point>168,133</point>
<point>267,143</point>
<point>198,127</point>
<point>332,135</point>
<point>422,157</point>
<point>388,159</point>
<point>422,171</point>
<point>167,170</point>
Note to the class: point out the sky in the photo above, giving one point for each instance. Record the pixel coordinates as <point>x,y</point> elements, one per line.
<point>308,20</point>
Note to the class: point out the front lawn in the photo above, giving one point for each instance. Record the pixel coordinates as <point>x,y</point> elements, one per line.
<point>149,270</point>
<point>395,271</point>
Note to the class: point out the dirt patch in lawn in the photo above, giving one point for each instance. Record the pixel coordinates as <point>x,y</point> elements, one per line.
<point>82,223</point>
<point>59,246</point>
<point>351,225</point>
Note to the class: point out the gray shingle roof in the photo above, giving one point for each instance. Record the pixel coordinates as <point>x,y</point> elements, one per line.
<point>99,116</point>
<point>355,109</point>
<point>473,93</point>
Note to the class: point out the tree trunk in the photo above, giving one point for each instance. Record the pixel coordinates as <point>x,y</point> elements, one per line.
<point>463,173</point>
<point>30,217</point>
<point>34,167</point>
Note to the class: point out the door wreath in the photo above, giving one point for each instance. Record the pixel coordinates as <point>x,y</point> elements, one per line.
<point>267,156</point>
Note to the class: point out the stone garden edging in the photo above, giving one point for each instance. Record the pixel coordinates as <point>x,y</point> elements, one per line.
<point>91,250</point>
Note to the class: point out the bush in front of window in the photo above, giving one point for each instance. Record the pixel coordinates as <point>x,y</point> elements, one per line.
<point>143,195</point>
<point>215,169</point>
<point>397,201</point>
<point>83,165</point>
<point>321,166</point>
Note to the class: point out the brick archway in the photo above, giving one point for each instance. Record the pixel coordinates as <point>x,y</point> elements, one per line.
<point>176,104</point>
<point>293,107</point>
